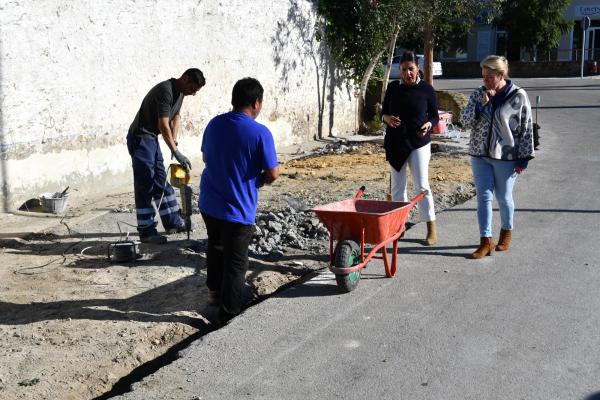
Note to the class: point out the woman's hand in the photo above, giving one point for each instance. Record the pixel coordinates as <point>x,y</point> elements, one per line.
<point>424,128</point>
<point>519,170</point>
<point>487,95</point>
<point>391,120</point>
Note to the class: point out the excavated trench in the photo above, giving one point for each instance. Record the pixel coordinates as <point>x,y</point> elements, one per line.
<point>287,226</point>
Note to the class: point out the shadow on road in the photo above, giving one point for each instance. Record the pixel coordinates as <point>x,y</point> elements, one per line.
<point>311,290</point>
<point>532,210</point>
<point>438,251</point>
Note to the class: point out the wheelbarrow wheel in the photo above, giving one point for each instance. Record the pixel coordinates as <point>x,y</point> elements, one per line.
<point>347,254</point>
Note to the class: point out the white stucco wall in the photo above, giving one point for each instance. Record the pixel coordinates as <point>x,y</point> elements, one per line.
<point>73,74</point>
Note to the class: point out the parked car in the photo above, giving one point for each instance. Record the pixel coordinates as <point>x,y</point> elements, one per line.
<point>395,71</point>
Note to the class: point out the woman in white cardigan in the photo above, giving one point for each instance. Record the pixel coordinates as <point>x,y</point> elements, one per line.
<point>501,145</point>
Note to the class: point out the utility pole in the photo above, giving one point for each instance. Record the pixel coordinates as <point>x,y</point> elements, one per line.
<point>585,24</point>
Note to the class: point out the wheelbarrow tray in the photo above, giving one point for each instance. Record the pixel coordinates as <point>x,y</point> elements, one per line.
<point>379,220</point>
<point>364,221</point>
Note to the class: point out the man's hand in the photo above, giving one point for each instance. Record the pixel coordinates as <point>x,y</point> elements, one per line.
<point>183,160</point>
<point>270,175</point>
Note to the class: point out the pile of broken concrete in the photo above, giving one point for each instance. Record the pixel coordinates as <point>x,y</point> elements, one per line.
<point>288,228</point>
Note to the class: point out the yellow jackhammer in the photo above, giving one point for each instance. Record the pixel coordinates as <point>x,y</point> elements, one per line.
<point>180,178</point>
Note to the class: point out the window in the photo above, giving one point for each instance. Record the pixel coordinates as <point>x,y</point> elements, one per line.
<point>501,43</point>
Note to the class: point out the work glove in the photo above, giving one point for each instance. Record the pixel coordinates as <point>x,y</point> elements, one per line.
<point>183,160</point>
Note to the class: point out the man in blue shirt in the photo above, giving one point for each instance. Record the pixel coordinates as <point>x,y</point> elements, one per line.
<point>239,157</point>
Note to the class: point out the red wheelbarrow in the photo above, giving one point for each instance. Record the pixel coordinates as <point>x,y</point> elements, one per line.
<point>353,223</point>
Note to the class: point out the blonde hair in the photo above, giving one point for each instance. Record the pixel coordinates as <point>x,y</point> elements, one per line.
<point>495,63</point>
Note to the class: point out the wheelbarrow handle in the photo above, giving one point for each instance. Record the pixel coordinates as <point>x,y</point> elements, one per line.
<point>419,197</point>
<point>360,192</point>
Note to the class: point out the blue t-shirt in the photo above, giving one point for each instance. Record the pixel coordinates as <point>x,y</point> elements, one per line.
<point>236,151</point>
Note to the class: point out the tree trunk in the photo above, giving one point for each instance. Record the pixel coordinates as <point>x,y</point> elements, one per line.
<point>428,61</point>
<point>363,90</point>
<point>331,97</point>
<point>322,101</point>
<point>321,85</point>
<point>388,68</point>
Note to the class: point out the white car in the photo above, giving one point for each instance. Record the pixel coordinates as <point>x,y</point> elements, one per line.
<point>395,71</point>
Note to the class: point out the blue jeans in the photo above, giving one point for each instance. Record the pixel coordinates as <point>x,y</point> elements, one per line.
<point>494,176</point>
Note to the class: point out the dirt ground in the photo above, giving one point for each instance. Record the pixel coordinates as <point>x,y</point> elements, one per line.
<point>72,323</point>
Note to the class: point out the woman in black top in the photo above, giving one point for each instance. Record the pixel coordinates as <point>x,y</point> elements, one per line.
<point>410,111</point>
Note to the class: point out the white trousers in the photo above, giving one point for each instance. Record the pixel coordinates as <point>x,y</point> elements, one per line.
<point>418,161</point>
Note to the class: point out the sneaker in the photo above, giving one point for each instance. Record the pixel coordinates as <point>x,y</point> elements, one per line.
<point>153,239</point>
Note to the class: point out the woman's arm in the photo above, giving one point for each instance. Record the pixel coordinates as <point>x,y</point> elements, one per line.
<point>432,109</point>
<point>469,114</point>
<point>525,150</point>
<point>386,110</point>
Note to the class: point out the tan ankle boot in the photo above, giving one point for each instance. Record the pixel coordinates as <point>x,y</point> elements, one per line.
<point>486,248</point>
<point>431,238</point>
<point>504,240</point>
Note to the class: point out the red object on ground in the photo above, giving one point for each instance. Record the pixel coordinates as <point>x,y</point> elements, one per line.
<point>366,222</point>
<point>445,120</point>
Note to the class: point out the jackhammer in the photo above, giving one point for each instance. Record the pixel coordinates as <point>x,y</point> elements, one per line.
<point>180,178</point>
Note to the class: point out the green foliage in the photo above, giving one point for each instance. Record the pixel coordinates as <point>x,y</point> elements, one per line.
<point>375,125</point>
<point>535,23</point>
<point>451,18</point>
<point>355,32</point>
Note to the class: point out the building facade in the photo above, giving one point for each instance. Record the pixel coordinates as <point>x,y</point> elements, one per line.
<point>487,39</point>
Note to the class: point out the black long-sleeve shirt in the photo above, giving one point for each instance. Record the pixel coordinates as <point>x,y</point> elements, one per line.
<point>414,105</point>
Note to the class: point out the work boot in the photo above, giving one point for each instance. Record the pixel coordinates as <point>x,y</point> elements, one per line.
<point>180,229</point>
<point>153,239</point>
<point>431,238</point>
<point>504,240</point>
<point>486,248</point>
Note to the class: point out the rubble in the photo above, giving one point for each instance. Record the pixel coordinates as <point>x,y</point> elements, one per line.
<point>338,147</point>
<point>288,228</point>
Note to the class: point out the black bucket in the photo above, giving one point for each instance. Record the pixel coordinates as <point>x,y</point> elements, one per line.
<point>125,251</point>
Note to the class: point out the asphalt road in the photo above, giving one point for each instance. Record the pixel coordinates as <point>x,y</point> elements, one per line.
<point>520,325</point>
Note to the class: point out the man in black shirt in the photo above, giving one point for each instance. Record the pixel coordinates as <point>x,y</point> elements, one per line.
<point>159,115</point>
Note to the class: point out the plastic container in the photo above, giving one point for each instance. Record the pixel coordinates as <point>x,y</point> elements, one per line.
<point>444,122</point>
<point>53,202</point>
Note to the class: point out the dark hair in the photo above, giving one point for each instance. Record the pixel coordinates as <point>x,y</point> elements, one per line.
<point>196,76</point>
<point>408,56</point>
<point>245,93</point>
